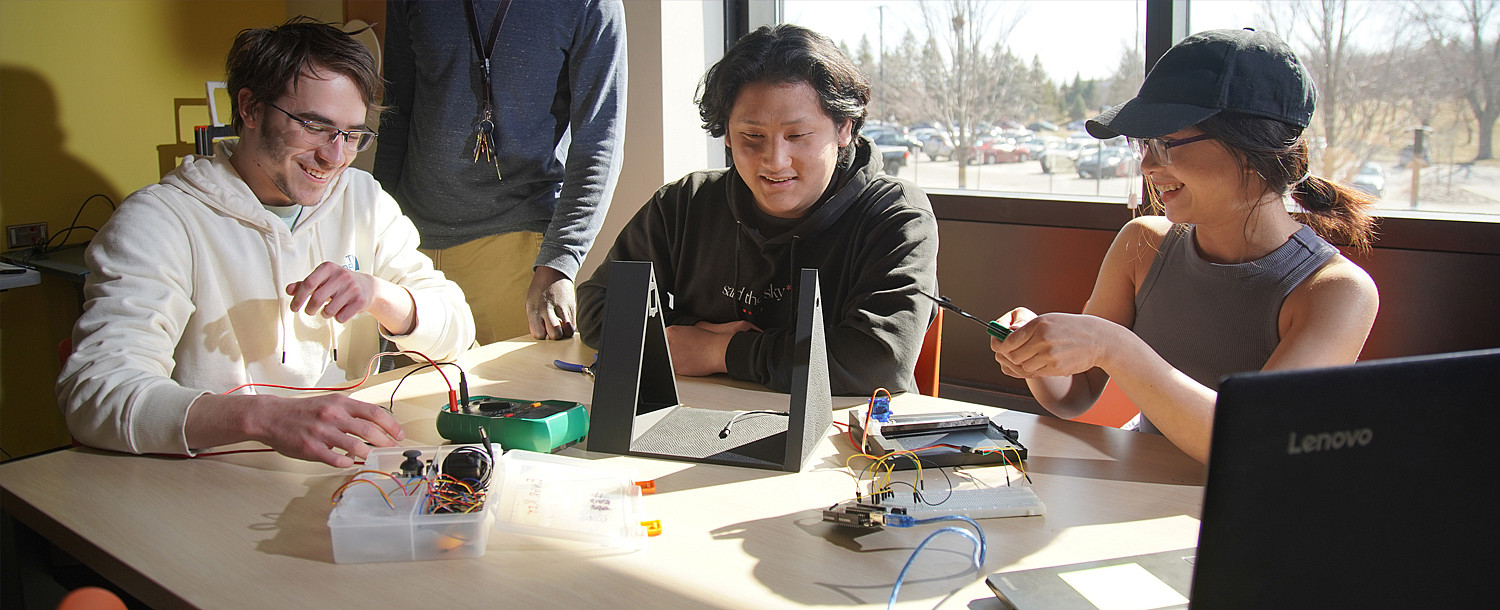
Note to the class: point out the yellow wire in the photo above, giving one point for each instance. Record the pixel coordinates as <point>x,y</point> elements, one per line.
<point>338,494</point>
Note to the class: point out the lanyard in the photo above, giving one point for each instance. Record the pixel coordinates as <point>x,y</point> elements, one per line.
<point>485,144</point>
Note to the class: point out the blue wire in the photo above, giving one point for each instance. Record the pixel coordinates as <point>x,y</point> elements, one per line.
<point>979,548</point>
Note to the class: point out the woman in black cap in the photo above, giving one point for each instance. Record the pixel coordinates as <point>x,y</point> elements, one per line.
<point>1228,280</point>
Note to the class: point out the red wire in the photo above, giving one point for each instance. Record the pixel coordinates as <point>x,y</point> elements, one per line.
<point>369,370</point>
<point>849,432</point>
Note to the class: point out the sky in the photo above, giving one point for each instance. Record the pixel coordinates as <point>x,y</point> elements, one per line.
<point>1072,37</point>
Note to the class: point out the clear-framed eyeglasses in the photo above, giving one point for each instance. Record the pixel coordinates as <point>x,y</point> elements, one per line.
<point>1161,147</point>
<point>320,134</point>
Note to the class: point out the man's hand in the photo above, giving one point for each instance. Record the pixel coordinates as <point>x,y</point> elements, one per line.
<point>699,350</point>
<point>551,306</point>
<point>334,291</point>
<point>332,428</point>
<point>341,294</point>
<point>727,328</point>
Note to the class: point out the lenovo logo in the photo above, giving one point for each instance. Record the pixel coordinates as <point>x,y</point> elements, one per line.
<point>1328,441</point>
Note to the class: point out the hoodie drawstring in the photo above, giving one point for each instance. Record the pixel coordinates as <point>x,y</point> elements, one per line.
<point>792,280</point>
<point>276,289</point>
<point>333,338</point>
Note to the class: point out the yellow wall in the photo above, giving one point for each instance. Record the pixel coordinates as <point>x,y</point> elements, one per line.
<point>87,92</point>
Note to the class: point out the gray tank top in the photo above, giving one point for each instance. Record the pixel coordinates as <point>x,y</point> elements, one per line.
<point>1207,319</point>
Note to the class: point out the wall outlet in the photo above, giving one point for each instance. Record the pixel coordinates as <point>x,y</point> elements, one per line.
<point>25,236</point>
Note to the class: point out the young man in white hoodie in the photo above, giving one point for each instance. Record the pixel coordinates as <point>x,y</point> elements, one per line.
<point>271,262</point>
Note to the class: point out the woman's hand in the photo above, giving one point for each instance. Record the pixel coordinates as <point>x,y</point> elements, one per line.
<point>1052,345</point>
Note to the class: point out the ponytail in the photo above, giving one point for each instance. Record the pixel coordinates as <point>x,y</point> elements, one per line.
<point>1336,212</point>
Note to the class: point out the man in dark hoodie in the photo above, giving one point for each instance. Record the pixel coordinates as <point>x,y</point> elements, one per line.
<point>803,192</point>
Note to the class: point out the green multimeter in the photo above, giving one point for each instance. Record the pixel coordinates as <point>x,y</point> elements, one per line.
<point>544,426</point>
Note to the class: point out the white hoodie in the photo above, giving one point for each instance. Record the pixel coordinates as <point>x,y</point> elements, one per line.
<point>186,296</point>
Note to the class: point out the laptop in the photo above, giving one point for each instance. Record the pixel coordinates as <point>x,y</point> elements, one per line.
<point>636,410</point>
<point>1358,486</point>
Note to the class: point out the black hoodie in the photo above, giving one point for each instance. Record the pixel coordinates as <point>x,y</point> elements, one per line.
<point>872,237</point>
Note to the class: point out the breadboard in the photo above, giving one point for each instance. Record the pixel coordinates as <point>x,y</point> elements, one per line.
<point>1010,501</point>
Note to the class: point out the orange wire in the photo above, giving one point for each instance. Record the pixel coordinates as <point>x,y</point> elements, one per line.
<point>870,408</point>
<point>338,494</point>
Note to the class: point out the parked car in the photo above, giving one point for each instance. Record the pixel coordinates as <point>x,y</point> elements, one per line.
<point>938,145</point>
<point>891,138</point>
<point>998,149</point>
<point>1042,126</point>
<point>1060,158</point>
<point>1371,179</point>
<point>1034,145</point>
<point>921,134</point>
<point>893,158</point>
<point>1102,163</point>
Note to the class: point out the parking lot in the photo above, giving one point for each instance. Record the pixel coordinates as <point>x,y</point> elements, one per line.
<point>1023,177</point>
<point>1444,188</point>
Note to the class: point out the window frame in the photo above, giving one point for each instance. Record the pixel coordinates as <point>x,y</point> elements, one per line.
<point>1167,21</point>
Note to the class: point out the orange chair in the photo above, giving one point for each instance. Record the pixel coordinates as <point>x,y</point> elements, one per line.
<point>1113,409</point>
<point>91,598</point>
<point>929,358</point>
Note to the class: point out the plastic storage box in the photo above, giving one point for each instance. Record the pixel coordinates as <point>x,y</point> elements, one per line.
<point>366,529</point>
<point>564,497</point>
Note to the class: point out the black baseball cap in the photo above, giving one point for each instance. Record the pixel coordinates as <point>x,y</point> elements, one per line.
<point>1242,71</point>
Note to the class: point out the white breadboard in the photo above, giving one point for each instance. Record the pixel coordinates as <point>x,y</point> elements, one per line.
<point>1011,501</point>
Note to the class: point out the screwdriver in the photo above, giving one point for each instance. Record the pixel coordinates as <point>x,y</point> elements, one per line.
<point>995,329</point>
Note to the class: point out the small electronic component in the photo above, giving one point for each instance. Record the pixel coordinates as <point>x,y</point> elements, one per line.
<point>926,423</point>
<point>984,503</point>
<point>411,466</point>
<point>953,446</point>
<point>860,515</point>
<point>880,407</point>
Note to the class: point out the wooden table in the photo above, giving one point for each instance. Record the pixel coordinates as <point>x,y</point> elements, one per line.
<point>250,530</point>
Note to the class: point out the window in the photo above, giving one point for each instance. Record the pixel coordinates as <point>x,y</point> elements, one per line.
<point>991,96</point>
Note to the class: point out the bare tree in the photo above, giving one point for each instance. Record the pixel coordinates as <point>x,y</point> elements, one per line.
<point>1362,102</point>
<point>1129,74</point>
<point>904,89</point>
<point>864,59</point>
<point>1462,33</point>
<point>961,82</point>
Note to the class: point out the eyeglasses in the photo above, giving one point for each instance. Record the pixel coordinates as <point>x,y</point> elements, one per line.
<point>320,134</point>
<point>1159,146</point>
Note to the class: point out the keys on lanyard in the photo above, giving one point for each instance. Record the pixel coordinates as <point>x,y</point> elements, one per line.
<point>484,145</point>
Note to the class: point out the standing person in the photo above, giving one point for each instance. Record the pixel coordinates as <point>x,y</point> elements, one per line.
<point>1229,280</point>
<point>270,262</point>
<point>503,144</point>
<point>804,192</point>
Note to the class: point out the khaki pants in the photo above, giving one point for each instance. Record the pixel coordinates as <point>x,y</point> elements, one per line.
<point>495,273</point>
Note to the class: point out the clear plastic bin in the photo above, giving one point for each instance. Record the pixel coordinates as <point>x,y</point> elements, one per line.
<point>564,497</point>
<point>365,529</point>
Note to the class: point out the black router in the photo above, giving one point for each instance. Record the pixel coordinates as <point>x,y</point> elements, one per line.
<point>636,410</point>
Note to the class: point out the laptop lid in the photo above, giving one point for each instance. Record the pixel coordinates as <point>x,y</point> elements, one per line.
<point>1155,581</point>
<point>636,409</point>
<point>1360,486</point>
